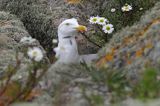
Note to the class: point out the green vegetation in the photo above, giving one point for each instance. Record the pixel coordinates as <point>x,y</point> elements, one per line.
<point>149,84</point>
<point>119,18</point>
<point>121,87</point>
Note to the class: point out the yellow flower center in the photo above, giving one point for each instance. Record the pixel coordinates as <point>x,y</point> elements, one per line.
<point>102,20</point>
<point>126,8</point>
<point>94,19</point>
<point>108,28</point>
<point>34,53</point>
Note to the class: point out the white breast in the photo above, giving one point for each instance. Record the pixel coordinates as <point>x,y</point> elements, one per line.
<point>67,51</point>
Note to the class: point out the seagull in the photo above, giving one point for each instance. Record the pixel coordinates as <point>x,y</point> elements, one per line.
<point>67,50</point>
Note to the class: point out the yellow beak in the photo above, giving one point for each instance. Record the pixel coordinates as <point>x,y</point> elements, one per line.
<point>81,28</point>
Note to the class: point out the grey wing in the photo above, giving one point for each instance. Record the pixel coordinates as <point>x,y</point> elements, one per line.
<point>89,58</point>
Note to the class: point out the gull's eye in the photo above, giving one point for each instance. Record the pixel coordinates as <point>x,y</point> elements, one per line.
<point>67,24</point>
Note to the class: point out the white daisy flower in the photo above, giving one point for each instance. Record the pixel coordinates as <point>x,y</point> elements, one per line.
<point>141,9</point>
<point>93,20</point>
<point>102,21</point>
<point>28,40</point>
<point>113,10</point>
<point>127,8</point>
<point>108,28</point>
<point>54,41</point>
<point>35,54</point>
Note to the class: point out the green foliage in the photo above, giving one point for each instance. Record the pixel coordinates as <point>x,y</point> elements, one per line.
<point>149,85</point>
<point>120,19</point>
<point>120,87</point>
<point>96,100</point>
<point>115,80</point>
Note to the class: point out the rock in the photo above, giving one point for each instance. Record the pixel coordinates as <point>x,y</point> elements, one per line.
<point>45,99</point>
<point>132,102</point>
<point>67,87</point>
<point>11,32</point>
<point>29,104</point>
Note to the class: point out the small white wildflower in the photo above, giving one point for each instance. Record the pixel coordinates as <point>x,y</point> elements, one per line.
<point>128,89</point>
<point>28,40</point>
<point>19,77</point>
<point>93,20</point>
<point>108,28</point>
<point>113,10</point>
<point>141,9</point>
<point>102,21</point>
<point>158,78</point>
<point>35,54</point>
<point>54,41</point>
<point>127,8</point>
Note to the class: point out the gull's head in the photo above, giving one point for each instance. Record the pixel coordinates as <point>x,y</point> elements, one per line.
<point>70,27</point>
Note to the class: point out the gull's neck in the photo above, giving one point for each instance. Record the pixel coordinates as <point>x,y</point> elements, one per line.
<point>69,36</point>
<point>67,40</point>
